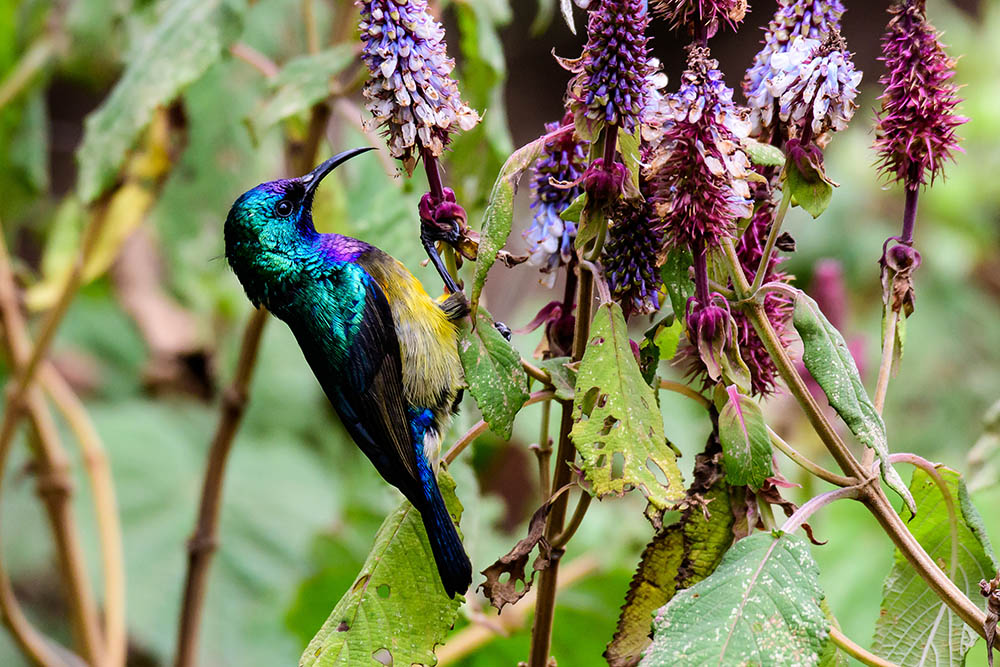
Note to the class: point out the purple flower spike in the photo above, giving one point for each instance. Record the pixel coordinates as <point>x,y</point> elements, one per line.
<point>630,258</point>
<point>783,52</point>
<point>697,172</point>
<point>615,64</point>
<point>916,127</point>
<point>549,237</point>
<point>410,93</point>
<point>702,15</point>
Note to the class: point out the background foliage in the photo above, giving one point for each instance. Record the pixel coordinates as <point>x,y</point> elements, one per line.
<point>302,506</point>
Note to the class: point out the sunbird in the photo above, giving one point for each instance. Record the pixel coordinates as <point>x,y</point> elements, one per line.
<point>384,351</point>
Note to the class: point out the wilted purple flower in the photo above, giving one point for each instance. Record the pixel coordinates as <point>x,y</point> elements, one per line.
<point>702,15</point>
<point>819,91</point>
<point>630,257</point>
<point>549,237</point>
<point>410,93</point>
<point>697,173</point>
<point>916,127</point>
<point>611,84</point>
<point>709,336</point>
<point>806,19</point>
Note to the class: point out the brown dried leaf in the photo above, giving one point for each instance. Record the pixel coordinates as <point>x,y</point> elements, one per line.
<point>991,591</point>
<point>514,563</point>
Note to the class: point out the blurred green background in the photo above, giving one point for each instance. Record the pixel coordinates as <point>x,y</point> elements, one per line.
<point>301,503</point>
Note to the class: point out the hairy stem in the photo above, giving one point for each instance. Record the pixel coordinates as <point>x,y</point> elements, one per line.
<point>772,238</point>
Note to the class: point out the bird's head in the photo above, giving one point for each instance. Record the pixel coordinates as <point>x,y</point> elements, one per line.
<point>268,225</point>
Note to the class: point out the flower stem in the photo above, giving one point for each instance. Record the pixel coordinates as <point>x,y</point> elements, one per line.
<point>871,495</point>
<point>910,207</point>
<point>701,275</point>
<point>862,655</point>
<point>814,504</point>
<point>806,464</point>
<point>885,366</point>
<point>772,238</point>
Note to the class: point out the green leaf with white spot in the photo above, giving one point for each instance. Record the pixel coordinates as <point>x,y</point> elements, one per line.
<point>500,212</point>
<point>761,606</point>
<point>617,427</point>
<point>300,84</point>
<point>397,607</point>
<point>628,145</point>
<point>494,373</point>
<point>746,445</point>
<point>189,38</point>
<point>914,626</point>
<point>761,154</point>
<point>563,378</point>
<point>668,337</point>
<point>676,277</point>
<point>827,358</point>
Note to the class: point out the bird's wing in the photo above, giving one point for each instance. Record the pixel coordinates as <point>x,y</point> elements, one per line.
<point>372,404</point>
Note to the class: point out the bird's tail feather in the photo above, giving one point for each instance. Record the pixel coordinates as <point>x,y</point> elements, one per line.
<point>452,562</point>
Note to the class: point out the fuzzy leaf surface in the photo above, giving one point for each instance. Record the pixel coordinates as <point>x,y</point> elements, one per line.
<point>500,212</point>
<point>189,38</point>
<point>827,358</point>
<point>914,626</point>
<point>397,604</point>
<point>761,606</point>
<point>616,416</point>
<point>494,374</point>
<point>301,83</point>
<point>746,445</point>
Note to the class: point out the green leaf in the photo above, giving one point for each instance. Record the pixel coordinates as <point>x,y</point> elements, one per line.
<point>668,338</point>
<point>761,606</point>
<point>397,607</point>
<point>829,361</point>
<point>761,154</point>
<point>678,557</point>
<point>746,446</point>
<point>616,416</point>
<point>575,209</point>
<point>628,144</point>
<point>493,371</point>
<point>914,626</point>
<point>678,281</point>
<point>563,378</point>
<point>300,84</point>
<point>810,191</point>
<point>189,38</point>
<point>500,212</point>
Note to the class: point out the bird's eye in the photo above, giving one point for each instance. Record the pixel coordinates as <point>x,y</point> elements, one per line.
<point>284,208</point>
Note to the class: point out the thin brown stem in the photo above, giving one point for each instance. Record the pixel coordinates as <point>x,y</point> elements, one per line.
<point>312,31</point>
<point>105,508</point>
<point>54,482</point>
<point>574,521</point>
<point>772,238</point>
<point>204,541</point>
<point>481,427</point>
<point>543,451</point>
<point>806,464</point>
<point>685,390</point>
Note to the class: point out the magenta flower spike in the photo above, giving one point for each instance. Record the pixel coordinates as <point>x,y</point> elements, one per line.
<point>702,17</point>
<point>697,172</point>
<point>915,128</point>
<point>410,93</point>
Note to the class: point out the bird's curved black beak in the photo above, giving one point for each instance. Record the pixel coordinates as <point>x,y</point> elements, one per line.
<point>312,179</point>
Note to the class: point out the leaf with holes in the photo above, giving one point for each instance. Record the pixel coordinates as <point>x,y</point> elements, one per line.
<point>915,627</point>
<point>302,82</point>
<point>827,358</point>
<point>494,374</point>
<point>188,39</point>
<point>761,606</point>
<point>617,427</point>
<point>500,211</point>
<point>397,610</point>
<point>746,446</point>
<point>678,557</point>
